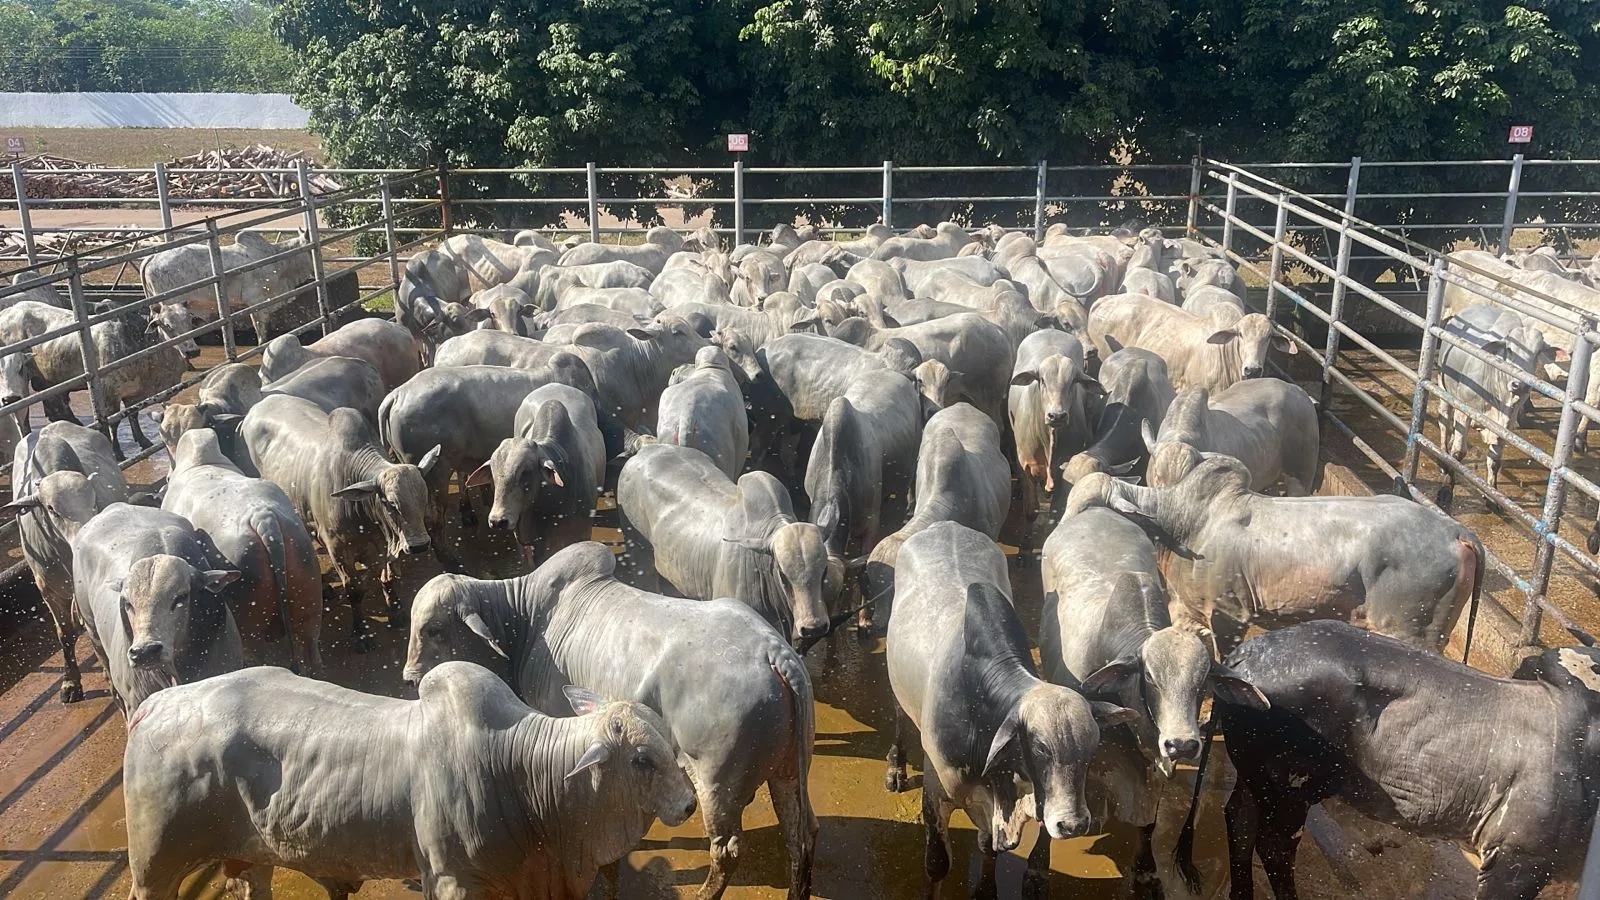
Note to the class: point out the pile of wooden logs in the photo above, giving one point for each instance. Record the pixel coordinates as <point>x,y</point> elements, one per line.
<point>245,173</point>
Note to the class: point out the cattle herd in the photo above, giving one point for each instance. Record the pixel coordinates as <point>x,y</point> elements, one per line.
<point>801,436</point>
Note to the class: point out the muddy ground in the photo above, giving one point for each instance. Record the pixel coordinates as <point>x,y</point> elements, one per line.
<point>62,830</point>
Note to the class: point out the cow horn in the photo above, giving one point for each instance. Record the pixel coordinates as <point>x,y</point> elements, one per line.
<point>23,503</point>
<point>480,628</point>
<point>597,754</point>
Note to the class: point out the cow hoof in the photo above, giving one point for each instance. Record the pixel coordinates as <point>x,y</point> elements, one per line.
<point>363,642</point>
<point>986,890</point>
<point>71,692</point>
<point>1444,496</point>
<point>936,859</point>
<point>894,780</point>
<point>1594,540</point>
<point>469,519</point>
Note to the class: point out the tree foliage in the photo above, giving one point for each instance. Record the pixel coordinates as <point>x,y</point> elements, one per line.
<point>140,45</point>
<point>820,82</point>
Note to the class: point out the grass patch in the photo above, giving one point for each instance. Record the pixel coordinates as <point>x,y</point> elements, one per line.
<point>140,147</point>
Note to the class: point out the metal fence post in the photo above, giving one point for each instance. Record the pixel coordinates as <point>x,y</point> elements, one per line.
<point>1038,200</point>
<point>387,195</point>
<point>1341,269</point>
<point>1193,217</point>
<point>1555,492</point>
<point>446,220</point>
<point>19,179</point>
<point>164,198</point>
<point>1279,229</point>
<point>230,346</point>
<point>86,347</point>
<point>1510,221</point>
<point>1430,348</point>
<point>738,202</point>
<point>594,203</point>
<point>1227,211</point>
<point>314,235</point>
<point>888,192</point>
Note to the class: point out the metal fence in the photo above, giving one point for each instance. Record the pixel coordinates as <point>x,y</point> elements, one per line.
<point>1417,383</point>
<point>94,298</point>
<point>1303,247</point>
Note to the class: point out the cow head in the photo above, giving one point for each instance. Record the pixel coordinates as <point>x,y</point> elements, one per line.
<point>519,468</point>
<point>1245,344</point>
<point>447,623</point>
<point>281,355</point>
<point>671,339</point>
<point>397,499</point>
<point>155,596</point>
<point>168,320</point>
<point>800,564</point>
<point>1169,675</point>
<point>176,419</point>
<point>1046,739</point>
<point>452,319</point>
<point>17,374</point>
<point>67,497</point>
<point>935,382</point>
<point>739,348</point>
<point>633,763</point>
<point>1064,391</point>
<point>1193,273</point>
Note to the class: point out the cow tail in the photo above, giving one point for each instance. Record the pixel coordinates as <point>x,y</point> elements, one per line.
<point>1476,549</point>
<point>270,534</point>
<point>1183,853</point>
<point>791,672</point>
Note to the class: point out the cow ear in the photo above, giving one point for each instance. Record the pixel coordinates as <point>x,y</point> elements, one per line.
<point>552,474</point>
<point>1148,434</point>
<point>1010,732</point>
<point>890,321</point>
<point>827,519</point>
<point>1229,687</point>
<point>528,310</point>
<point>1186,266</point>
<point>1045,323</point>
<point>357,491</point>
<point>152,326</point>
<point>428,459</point>
<point>155,415</point>
<point>482,476</point>
<point>114,585</point>
<point>1024,378</point>
<point>479,627</point>
<point>433,327</point>
<point>640,334</point>
<point>1113,675</point>
<point>1222,336</point>
<point>478,315</point>
<point>1109,715</point>
<point>583,700</point>
<point>1284,345</point>
<point>1123,468</point>
<point>22,504</point>
<point>217,579</point>
<point>1493,348</point>
<point>597,754</point>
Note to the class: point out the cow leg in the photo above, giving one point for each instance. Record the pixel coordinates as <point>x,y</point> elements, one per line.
<point>339,890</point>
<point>799,826</point>
<point>722,816</point>
<point>361,638</point>
<point>640,559</point>
<point>399,613</point>
<point>609,876</point>
<point>65,616</point>
<point>1146,882</point>
<point>1276,840</point>
<point>894,780</point>
<point>1241,818</point>
<point>1491,457</point>
<point>253,883</point>
<point>986,889</point>
<point>133,428</point>
<point>936,809</point>
<point>1512,875</point>
<point>1036,878</point>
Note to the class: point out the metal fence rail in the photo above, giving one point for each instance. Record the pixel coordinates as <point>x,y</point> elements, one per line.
<point>1289,210</point>
<point>71,278</point>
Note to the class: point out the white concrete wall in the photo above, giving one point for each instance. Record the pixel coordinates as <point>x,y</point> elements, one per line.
<point>116,110</point>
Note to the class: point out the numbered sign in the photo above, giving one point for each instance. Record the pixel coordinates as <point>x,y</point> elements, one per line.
<point>738,143</point>
<point>15,145</point>
<point>1520,134</point>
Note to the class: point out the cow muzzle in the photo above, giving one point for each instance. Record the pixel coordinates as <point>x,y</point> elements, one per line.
<point>1068,826</point>
<point>9,399</point>
<point>146,654</point>
<point>499,522</point>
<point>1055,419</point>
<point>1180,748</point>
<point>1252,371</point>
